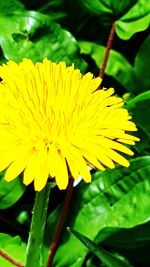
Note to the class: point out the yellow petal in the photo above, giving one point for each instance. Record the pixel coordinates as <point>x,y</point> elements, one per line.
<point>61,116</point>
<point>126,141</point>
<point>31,169</point>
<point>41,179</point>
<point>82,166</point>
<point>52,160</point>
<point>16,168</point>
<point>4,164</point>
<point>118,158</point>
<point>92,159</point>
<point>108,143</point>
<point>62,173</point>
<point>57,167</point>
<point>73,168</point>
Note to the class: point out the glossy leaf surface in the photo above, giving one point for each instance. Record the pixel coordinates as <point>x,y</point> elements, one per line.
<point>118,198</point>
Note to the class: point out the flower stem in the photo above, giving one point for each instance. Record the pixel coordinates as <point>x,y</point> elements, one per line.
<point>60,223</point>
<point>108,47</point>
<point>10,259</point>
<point>35,241</point>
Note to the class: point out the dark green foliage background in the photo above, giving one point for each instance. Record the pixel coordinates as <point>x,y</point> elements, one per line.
<point>111,215</point>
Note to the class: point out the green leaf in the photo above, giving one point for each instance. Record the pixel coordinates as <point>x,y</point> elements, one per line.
<point>106,257</point>
<point>135,237</point>
<point>14,247</point>
<point>117,66</point>
<point>97,7</point>
<point>116,198</point>
<point>142,61</point>
<point>54,8</point>
<point>134,243</point>
<point>135,78</point>
<point>131,16</point>
<point>139,108</point>
<point>6,7</point>
<point>135,20</point>
<point>115,8</point>
<point>33,35</point>
<point>10,192</point>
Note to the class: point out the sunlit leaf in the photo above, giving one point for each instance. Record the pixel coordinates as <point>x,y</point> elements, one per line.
<point>118,198</point>
<point>14,247</point>
<point>33,35</point>
<point>135,20</point>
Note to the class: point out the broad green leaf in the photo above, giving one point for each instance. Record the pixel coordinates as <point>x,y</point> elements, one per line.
<point>135,237</point>
<point>117,65</point>
<point>33,35</point>
<point>97,7</point>
<point>54,8</point>
<point>108,7</point>
<point>134,243</point>
<point>142,61</point>
<point>6,6</point>
<point>107,258</point>
<point>140,256</point>
<point>116,198</point>
<point>139,108</point>
<point>14,247</point>
<point>131,16</point>
<point>10,192</point>
<point>135,78</point>
<point>135,20</point>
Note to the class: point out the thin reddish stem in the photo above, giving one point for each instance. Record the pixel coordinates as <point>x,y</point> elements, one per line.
<point>10,259</point>
<point>108,47</point>
<point>61,222</point>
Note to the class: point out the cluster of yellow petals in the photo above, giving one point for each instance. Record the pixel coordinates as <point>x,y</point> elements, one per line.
<point>53,123</point>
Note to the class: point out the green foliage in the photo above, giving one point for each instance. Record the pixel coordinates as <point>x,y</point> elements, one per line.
<point>10,192</point>
<point>114,199</point>
<point>107,258</point>
<point>14,247</point>
<point>134,78</point>
<point>139,108</point>
<point>34,35</point>
<point>132,238</point>
<point>7,8</point>
<point>118,67</point>
<point>141,69</point>
<point>55,9</point>
<point>131,16</point>
<point>111,214</point>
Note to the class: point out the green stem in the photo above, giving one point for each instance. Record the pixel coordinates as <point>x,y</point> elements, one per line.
<point>35,241</point>
<point>60,223</point>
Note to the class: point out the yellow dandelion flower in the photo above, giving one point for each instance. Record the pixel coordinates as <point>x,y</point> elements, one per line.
<point>54,122</point>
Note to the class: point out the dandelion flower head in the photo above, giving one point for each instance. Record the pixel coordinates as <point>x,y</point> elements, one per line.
<point>54,122</point>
